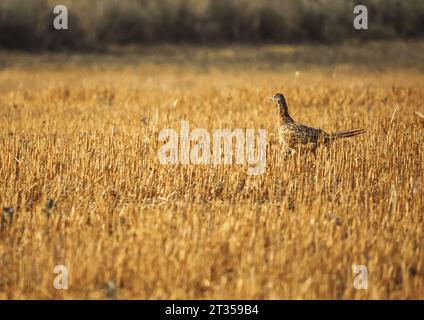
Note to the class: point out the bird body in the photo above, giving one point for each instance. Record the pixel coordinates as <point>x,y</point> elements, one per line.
<point>294,135</point>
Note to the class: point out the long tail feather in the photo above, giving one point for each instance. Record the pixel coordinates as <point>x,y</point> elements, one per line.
<point>345,134</point>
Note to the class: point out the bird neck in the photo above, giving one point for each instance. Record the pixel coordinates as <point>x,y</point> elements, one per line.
<point>284,112</point>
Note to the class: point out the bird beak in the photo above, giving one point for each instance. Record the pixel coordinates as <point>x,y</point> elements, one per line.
<point>272,99</point>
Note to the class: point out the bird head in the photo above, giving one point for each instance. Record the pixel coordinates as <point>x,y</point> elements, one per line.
<point>278,98</point>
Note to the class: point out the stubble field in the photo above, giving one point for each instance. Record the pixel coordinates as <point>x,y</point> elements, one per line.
<point>81,184</point>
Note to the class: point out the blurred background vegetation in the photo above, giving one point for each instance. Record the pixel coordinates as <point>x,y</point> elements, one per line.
<point>99,24</point>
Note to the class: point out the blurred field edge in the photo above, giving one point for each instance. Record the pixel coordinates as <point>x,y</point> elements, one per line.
<point>97,25</point>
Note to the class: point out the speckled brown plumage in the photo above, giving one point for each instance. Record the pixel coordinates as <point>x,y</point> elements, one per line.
<point>295,135</point>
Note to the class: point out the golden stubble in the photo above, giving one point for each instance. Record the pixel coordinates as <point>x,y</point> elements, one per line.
<point>79,166</point>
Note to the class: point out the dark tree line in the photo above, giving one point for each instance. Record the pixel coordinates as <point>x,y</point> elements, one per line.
<point>97,24</point>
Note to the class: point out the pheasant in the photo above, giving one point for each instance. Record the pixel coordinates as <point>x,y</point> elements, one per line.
<point>294,135</point>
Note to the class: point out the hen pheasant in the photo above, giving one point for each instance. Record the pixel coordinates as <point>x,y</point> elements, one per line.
<point>294,135</point>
